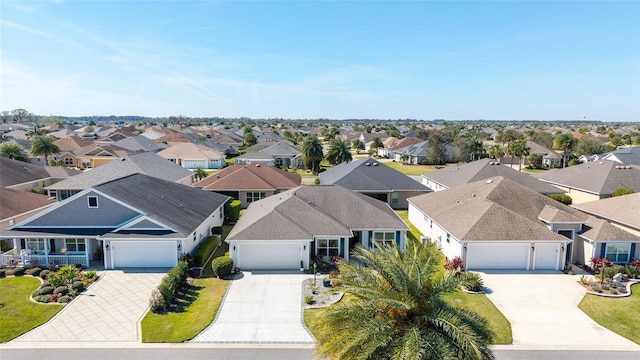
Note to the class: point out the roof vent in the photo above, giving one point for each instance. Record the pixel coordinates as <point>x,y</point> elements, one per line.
<point>367,164</point>
<point>490,162</point>
<point>473,195</point>
<point>601,162</point>
<point>257,165</point>
<point>496,163</point>
<point>123,159</point>
<point>375,164</point>
<point>489,181</point>
<point>457,201</point>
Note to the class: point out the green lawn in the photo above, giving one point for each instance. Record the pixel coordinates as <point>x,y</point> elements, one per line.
<point>17,313</point>
<point>191,316</point>
<point>526,169</point>
<point>411,169</point>
<point>414,232</point>
<point>476,302</point>
<point>480,304</point>
<point>620,315</point>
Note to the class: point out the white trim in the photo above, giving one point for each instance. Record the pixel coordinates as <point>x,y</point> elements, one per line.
<point>89,202</point>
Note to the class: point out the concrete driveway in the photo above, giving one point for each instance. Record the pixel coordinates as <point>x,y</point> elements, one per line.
<point>260,308</point>
<point>542,307</point>
<point>108,311</point>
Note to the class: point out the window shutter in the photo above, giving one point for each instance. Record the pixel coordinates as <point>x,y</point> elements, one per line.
<point>603,249</point>
<point>633,251</point>
<point>371,239</point>
<point>398,238</point>
<point>342,251</point>
<point>23,243</point>
<point>52,245</point>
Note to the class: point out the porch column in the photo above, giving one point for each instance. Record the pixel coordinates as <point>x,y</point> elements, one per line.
<point>346,249</point>
<point>86,251</point>
<point>46,251</point>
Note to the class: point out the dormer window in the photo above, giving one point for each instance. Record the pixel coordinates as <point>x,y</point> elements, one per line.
<point>93,201</point>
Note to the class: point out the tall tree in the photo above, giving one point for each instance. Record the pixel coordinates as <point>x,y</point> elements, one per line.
<point>589,145</point>
<point>398,312</point>
<point>14,151</point>
<point>435,148</point>
<point>566,143</point>
<point>312,152</point>
<point>358,145</point>
<point>496,151</point>
<point>36,130</point>
<point>543,138</point>
<point>20,115</point>
<point>200,173</point>
<point>376,143</point>
<point>519,149</point>
<point>250,139</point>
<point>43,145</point>
<point>338,152</point>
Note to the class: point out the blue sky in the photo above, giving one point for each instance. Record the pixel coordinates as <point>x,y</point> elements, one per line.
<point>507,60</point>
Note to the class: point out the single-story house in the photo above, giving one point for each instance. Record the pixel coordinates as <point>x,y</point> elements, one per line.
<point>417,153</point>
<point>17,205</point>
<point>499,224</point>
<point>192,156</point>
<point>135,221</point>
<point>451,176</point>
<point>249,183</point>
<point>295,227</point>
<point>24,176</point>
<point>144,163</point>
<point>593,180</point>
<point>279,154</point>
<point>373,178</point>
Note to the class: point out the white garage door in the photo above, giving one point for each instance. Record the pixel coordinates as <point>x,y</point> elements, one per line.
<point>269,256</point>
<point>546,257</point>
<point>144,253</point>
<point>494,256</point>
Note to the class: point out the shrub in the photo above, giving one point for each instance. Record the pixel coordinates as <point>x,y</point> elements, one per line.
<point>222,266</point>
<point>472,281</point>
<point>632,271</point>
<point>62,290</point>
<point>42,298</point>
<point>563,198</point>
<point>308,299</point>
<point>4,245</point>
<point>622,190</point>
<point>35,271</point>
<point>316,181</point>
<point>18,271</point>
<point>47,290</point>
<point>233,211</point>
<point>584,280</point>
<point>622,290</point>
<point>45,283</point>
<point>613,292</point>
<point>334,282</point>
<point>596,288</point>
<point>596,263</point>
<point>64,299</point>
<point>162,296</point>
<point>605,287</point>
<point>44,274</point>
<point>156,302</point>
<point>54,297</point>
<point>204,249</point>
<point>90,275</point>
<point>3,273</point>
<point>635,262</point>
<point>77,286</point>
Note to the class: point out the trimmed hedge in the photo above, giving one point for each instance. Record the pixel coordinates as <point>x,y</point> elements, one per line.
<point>222,266</point>
<point>64,299</point>
<point>77,286</point>
<point>204,249</point>
<point>62,290</point>
<point>18,271</point>
<point>44,274</point>
<point>233,212</point>
<point>42,298</point>
<point>35,272</point>
<point>47,290</point>
<point>169,287</point>
<point>563,198</point>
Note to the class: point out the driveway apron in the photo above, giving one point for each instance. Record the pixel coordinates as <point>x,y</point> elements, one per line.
<point>260,308</point>
<point>108,311</point>
<point>543,310</point>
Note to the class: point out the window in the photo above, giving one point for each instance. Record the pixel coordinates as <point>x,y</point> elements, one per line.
<point>394,197</point>
<point>618,253</point>
<point>67,193</point>
<point>255,196</point>
<point>75,244</point>
<point>448,238</point>
<point>387,238</point>
<point>566,233</point>
<point>68,161</point>
<point>430,224</point>
<point>35,245</point>
<point>328,247</point>
<point>93,201</point>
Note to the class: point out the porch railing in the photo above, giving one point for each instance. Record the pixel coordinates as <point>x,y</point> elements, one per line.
<point>10,258</point>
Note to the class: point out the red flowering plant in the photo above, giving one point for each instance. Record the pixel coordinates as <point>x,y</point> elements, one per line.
<point>454,264</point>
<point>598,263</point>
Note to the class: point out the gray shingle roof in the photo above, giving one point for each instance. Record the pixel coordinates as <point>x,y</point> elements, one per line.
<point>143,163</point>
<point>376,176</point>
<point>179,206</point>
<point>308,211</point>
<point>601,178</point>
<point>13,172</point>
<point>600,230</point>
<point>621,209</point>
<point>484,169</point>
<point>494,209</point>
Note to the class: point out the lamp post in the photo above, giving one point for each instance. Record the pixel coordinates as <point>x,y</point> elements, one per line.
<point>314,273</point>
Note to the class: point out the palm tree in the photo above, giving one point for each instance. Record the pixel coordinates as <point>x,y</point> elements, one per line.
<point>496,151</point>
<point>566,143</point>
<point>397,310</point>
<point>312,152</point>
<point>338,152</point>
<point>14,151</point>
<point>376,143</point>
<point>200,173</point>
<point>519,148</point>
<point>357,144</point>
<point>43,145</point>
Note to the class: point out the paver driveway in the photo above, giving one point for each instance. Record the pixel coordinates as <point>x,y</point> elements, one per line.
<point>543,310</point>
<point>108,311</point>
<point>260,308</point>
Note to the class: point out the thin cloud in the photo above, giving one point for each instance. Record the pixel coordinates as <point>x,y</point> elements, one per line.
<point>51,36</point>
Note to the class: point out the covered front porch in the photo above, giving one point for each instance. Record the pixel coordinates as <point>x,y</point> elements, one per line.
<point>52,251</point>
